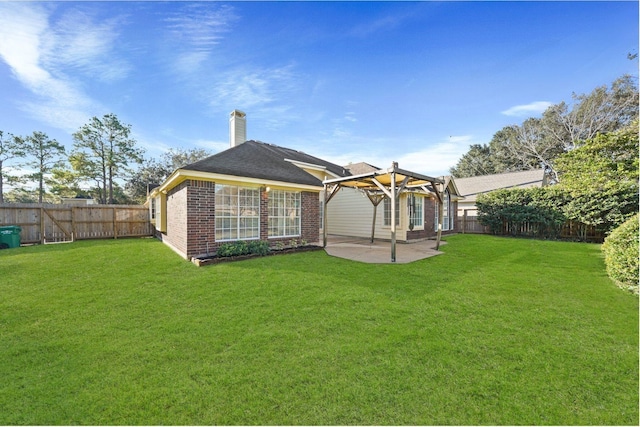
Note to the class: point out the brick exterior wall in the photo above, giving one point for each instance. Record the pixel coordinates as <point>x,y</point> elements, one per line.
<point>201,207</point>
<point>176,234</point>
<point>191,218</point>
<point>310,217</point>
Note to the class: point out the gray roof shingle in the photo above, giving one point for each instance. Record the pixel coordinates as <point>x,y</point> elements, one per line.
<point>471,187</point>
<point>360,168</point>
<point>255,159</point>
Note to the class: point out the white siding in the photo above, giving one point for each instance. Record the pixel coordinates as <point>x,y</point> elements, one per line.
<point>351,214</point>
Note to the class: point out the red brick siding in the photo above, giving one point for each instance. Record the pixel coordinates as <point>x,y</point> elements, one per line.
<point>191,218</point>
<point>264,215</point>
<point>310,217</point>
<point>177,230</point>
<point>201,202</point>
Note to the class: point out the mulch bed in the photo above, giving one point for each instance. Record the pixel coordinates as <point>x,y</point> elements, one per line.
<point>214,259</point>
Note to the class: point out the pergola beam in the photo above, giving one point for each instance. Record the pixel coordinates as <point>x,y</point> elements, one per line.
<point>374,185</point>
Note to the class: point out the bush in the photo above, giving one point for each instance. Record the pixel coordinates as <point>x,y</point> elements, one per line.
<point>257,247</point>
<point>532,212</point>
<point>621,249</point>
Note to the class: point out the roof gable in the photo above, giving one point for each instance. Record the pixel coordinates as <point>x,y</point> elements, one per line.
<point>254,159</point>
<point>360,168</point>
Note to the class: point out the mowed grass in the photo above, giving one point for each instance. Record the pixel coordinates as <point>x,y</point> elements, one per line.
<point>494,331</point>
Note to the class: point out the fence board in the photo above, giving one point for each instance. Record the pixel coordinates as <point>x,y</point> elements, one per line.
<point>45,223</point>
<point>570,230</point>
<point>470,224</point>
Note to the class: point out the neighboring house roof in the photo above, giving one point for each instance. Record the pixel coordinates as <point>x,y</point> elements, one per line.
<point>360,168</point>
<point>255,159</point>
<point>471,187</point>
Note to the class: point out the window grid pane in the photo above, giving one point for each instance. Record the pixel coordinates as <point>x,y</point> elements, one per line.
<point>284,214</point>
<point>416,210</point>
<point>387,212</point>
<point>237,213</point>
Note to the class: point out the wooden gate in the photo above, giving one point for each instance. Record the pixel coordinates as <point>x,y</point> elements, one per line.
<point>48,223</point>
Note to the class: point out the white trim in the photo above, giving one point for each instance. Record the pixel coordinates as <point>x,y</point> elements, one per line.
<point>304,165</point>
<point>181,175</point>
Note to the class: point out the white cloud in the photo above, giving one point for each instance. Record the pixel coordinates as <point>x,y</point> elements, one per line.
<point>79,42</point>
<point>196,29</point>
<point>42,57</point>
<point>433,160</point>
<point>350,116</point>
<point>436,159</point>
<point>525,110</point>
<point>261,89</point>
<point>213,146</point>
<point>382,23</point>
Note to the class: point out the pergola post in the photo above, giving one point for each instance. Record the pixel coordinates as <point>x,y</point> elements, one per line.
<point>373,225</point>
<point>328,195</point>
<point>394,201</point>
<point>440,214</point>
<point>383,183</point>
<point>324,218</point>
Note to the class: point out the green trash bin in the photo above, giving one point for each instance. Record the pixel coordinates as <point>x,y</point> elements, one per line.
<point>10,236</point>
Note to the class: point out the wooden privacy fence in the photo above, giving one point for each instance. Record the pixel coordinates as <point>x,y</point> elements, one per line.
<point>470,224</point>
<point>570,230</point>
<point>48,223</point>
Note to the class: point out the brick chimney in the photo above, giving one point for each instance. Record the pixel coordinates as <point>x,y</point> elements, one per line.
<point>237,128</point>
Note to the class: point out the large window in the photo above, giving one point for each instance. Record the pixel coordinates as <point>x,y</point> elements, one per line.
<point>447,213</point>
<point>387,212</point>
<point>284,213</point>
<point>153,208</point>
<point>237,213</point>
<point>416,211</point>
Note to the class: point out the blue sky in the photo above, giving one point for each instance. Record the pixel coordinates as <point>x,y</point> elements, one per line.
<point>413,82</point>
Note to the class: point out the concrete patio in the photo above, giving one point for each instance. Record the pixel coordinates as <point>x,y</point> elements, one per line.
<point>379,252</point>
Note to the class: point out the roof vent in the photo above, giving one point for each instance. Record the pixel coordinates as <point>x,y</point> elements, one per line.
<point>237,128</point>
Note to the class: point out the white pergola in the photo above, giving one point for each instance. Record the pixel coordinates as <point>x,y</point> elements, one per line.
<point>383,183</point>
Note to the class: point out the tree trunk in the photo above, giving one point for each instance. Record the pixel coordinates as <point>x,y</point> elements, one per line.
<point>41,180</point>
<point>110,185</point>
<point>1,184</point>
<point>103,192</point>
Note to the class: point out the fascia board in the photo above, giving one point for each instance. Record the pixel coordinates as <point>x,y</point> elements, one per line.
<point>312,166</point>
<point>183,174</point>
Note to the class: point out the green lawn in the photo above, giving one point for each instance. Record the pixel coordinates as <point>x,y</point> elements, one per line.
<point>494,331</point>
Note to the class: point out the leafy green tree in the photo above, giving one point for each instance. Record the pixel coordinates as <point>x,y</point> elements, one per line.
<point>103,152</point>
<point>155,172</point>
<point>601,178</point>
<point>537,142</point>
<point>477,161</point>
<point>9,150</point>
<point>42,156</point>
<point>65,183</point>
<point>605,109</point>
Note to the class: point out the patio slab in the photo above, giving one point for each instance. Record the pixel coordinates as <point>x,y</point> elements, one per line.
<point>379,252</point>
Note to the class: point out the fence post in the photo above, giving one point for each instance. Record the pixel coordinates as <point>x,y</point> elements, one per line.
<point>464,221</point>
<point>73,224</point>
<point>41,225</point>
<point>115,230</point>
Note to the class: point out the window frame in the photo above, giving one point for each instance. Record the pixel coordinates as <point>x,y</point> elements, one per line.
<point>416,201</point>
<point>241,225</point>
<point>386,212</point>
<point>447,217</point>
<point>279,217</point>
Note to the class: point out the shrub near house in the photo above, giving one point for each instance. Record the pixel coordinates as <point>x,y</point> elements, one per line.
<point>621,254</point>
